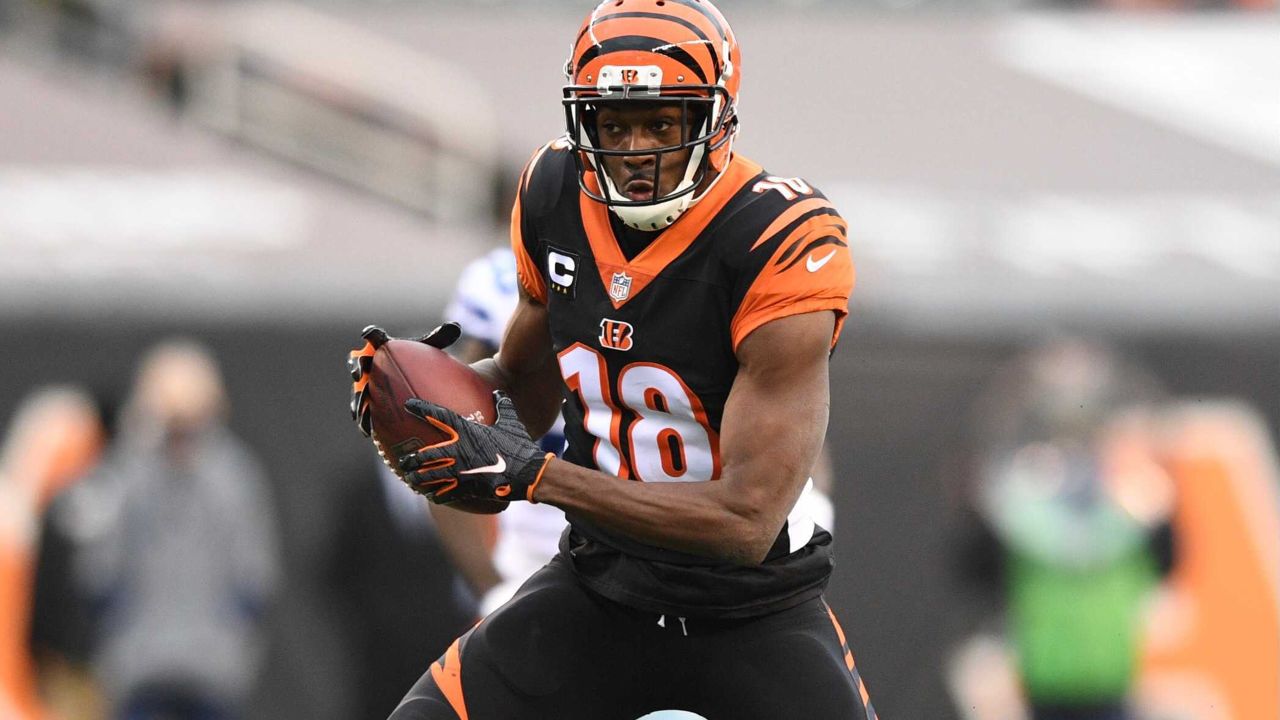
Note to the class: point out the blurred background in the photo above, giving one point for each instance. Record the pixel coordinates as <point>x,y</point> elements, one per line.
<point>1061,366</point>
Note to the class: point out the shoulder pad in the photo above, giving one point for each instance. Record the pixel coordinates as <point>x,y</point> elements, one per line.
<point>542,184</point>
<point>772,211</point>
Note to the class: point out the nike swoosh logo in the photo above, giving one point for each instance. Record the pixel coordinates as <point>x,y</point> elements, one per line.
<point>816,265</point>
<point>496,468</point>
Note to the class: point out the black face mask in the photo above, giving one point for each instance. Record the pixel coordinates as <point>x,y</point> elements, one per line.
<point>700,129</point>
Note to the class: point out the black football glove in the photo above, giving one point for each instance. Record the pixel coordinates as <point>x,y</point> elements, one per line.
<point>492,462</point>
<point>360,360</point>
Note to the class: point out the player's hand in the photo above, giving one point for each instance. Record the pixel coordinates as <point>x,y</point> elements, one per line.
<point>359,360</point>
<point>493,462</point>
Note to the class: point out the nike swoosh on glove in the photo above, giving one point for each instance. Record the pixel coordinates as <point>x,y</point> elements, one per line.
<point>494,462</point>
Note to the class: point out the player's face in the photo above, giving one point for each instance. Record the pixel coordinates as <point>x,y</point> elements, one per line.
<point>643,127</point>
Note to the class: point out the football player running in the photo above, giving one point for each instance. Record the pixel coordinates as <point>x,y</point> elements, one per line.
<point>528,534</point>
<point>683,304</point>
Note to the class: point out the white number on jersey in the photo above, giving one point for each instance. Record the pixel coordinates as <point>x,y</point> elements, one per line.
<point>670,440</point>
<point>791,188</point>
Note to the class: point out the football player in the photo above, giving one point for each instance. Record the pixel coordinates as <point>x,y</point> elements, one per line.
<point>528,534</point>
<point>683,304</point>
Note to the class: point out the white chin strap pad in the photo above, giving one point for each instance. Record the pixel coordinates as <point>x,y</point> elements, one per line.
<point>659,215</point>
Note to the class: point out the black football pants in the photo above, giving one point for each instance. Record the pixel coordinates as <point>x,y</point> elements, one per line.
<point>558,651</point>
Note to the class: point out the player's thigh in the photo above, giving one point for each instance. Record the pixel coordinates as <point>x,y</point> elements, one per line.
<point>554,651</point>
<point>425,701</point>
<point>794,664</point>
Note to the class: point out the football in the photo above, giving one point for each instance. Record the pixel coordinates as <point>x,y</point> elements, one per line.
<point>404,369</point>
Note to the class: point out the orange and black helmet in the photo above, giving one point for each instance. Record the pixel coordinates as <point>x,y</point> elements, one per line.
<point>682,51</point>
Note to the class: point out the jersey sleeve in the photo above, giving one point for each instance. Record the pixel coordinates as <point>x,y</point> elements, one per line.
<point>523,236</point>
<point>800,263</point>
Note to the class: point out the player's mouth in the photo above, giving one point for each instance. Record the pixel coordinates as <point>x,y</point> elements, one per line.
<point>639,189</point>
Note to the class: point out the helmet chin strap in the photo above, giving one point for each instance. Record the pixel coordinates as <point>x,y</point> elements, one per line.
<point>659,215</point>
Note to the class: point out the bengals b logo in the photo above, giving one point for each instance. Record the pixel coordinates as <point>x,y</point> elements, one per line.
<point>615,334</point>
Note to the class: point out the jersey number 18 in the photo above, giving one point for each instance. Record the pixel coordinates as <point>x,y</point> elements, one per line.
<point>668,438</point>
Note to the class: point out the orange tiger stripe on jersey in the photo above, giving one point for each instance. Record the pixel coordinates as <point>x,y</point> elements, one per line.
<point>800,241</point>
<point>669,245</point>
<point>790,216</point>
<point>784,288</point>
<point>447,673</point>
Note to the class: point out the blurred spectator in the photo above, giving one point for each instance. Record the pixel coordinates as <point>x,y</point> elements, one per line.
<point>53,439</point>
<point>1075,512</point>
<point>400,601</point>
<point>1213,650</point>
<point>175,548</point>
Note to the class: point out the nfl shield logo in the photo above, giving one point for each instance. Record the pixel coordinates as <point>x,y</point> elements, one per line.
<point>620,288</point>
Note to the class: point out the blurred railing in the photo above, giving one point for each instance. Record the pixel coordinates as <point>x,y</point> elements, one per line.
<point>288,79</point>
<point>344,102</point>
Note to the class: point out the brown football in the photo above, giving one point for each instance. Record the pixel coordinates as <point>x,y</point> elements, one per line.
<point>404,369</point>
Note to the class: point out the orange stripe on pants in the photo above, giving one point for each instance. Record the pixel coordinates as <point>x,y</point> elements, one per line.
<point>448,677</point>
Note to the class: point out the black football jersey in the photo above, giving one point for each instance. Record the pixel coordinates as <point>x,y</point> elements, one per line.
<point>646,348</point>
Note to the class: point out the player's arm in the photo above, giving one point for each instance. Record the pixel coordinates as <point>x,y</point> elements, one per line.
<point>771,434</point>
<point>526,367</point>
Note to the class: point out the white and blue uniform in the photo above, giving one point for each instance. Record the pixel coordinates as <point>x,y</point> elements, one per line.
<point>486,296</point>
